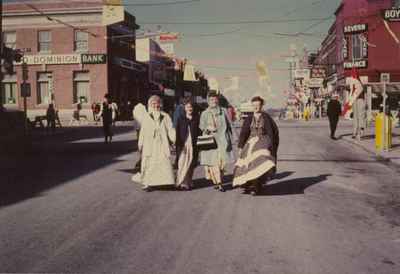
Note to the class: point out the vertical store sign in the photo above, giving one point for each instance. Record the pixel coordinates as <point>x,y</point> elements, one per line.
<point>345,48</point>
<point>364,45</point>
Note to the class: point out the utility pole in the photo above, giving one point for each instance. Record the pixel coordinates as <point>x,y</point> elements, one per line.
<point>1,55</point>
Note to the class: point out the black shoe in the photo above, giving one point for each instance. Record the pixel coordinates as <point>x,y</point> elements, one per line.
<point>246,191</point>
<point>221,188</point>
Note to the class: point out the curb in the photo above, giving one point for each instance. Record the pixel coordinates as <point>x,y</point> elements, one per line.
<point>380,158</point>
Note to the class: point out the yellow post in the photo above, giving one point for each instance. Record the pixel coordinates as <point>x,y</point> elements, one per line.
<point>383,140</point>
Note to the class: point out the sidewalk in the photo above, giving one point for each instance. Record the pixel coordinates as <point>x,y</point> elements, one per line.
<point>368,144</point>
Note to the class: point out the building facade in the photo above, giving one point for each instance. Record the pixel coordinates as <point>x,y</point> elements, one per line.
<point>363,36</point>
<point>71,57</point>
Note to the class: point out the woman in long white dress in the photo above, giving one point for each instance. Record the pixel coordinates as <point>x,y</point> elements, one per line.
<point>156,136</point>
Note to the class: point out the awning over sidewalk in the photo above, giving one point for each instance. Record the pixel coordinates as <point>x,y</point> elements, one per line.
<point>390,87</point>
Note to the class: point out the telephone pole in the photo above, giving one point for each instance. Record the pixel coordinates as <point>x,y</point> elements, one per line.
<point>1,55</point>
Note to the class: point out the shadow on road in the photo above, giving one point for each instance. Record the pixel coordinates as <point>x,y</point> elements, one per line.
<point>283,175</point>
<point>328,160</point>
<point>51,163</point>
<point>293,186</point>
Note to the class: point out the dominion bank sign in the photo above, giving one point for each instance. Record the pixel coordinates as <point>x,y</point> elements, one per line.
<point>65,59</point>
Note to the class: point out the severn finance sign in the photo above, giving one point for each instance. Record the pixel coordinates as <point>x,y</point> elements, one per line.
<point>65,59</point>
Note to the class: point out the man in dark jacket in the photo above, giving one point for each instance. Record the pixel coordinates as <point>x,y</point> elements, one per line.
<point>334,111</point>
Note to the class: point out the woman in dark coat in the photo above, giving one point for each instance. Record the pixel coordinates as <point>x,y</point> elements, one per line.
<point>258,147</point>
<point>187,131</point>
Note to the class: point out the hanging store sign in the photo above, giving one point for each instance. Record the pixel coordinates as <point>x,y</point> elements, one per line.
<point>345,49</point>
<point>364,45</point>
<point>391,14</point>
<point>168,48</point>
<point>317,72</point>
<point>315,82</point>
<point>356,64</point>
<point>169,92</point>
<point>128,64</point>
<point>302,74</point>
<point>355,28</point>
<point>94,58</point>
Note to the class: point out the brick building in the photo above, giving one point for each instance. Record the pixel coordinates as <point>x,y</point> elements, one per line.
<point>71,56</point>
<point>360,38</point>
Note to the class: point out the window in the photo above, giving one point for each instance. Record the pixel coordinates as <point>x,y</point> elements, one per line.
<point>44,88</point>
<point>9,90</point>
<point>356,47</point>
<point>44,41</point>
<point>10,39</point>
<point>81,87</point>
<point>81,41</point>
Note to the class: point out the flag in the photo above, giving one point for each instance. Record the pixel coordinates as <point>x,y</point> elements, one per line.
<point>189,74</point>
<point>213,84</point>
<point>262,73</point>
<point>234,84</point>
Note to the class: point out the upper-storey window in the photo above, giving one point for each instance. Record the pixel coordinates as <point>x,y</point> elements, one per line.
<point>81,41</point>
<point>10,39</point>
<point>44,41</point>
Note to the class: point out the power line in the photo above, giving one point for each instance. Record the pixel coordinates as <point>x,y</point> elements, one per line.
<point>270,21</point>
<point>303,7</point>
<point>212,34</point>
<point>58,20</point>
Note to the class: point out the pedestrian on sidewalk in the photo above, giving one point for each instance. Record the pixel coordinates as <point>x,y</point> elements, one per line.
<point>214,122</point>
<point>334,111</point>
<point>258,148</point>
<point>51,117</point>
<point>156,135</point>
<point>187,131</point>
<point>359,117</point>
<point>106,113</point>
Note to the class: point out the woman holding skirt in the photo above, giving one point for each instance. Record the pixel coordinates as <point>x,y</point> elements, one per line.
<point>187,131</point>
<point>214,121</point>
<point>258,147</point>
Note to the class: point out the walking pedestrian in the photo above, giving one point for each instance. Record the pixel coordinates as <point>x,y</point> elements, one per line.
<point>359,117</point>
<point>258,147</point>
<point>156,134</point>
<point>51,116</point>
<point>214,121</point>
<point>106,113</point>
<point>334,111</point>
<point>187,131</point>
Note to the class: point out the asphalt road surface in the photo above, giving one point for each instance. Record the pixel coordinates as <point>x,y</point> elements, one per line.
<point>69,207</point>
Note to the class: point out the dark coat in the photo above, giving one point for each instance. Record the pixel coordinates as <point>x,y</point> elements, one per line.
<point>334,109</point>
<point>182,133</point>
<point>270,128</point>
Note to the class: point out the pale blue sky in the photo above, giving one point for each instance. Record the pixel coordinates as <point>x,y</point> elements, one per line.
<point>240,49</point>
<point>237,52</point>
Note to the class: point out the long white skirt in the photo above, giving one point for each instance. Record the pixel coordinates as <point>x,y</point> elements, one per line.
<point>157,169</point>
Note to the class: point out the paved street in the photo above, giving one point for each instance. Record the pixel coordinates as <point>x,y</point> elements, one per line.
<point>70,207</point>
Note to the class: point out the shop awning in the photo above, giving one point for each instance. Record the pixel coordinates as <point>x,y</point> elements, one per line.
<point>390,87</point>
